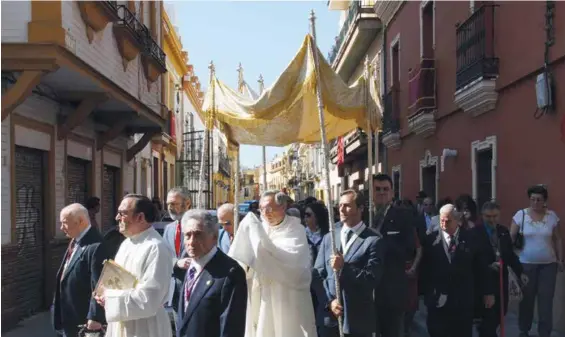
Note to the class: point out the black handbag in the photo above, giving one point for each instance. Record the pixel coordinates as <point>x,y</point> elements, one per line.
<point>519,242</point>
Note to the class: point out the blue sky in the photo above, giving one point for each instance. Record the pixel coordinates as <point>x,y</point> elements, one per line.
<point>262,35</point>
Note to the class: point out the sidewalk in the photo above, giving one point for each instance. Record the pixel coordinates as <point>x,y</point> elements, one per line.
<point>35,326</point>
<point>511,325</point>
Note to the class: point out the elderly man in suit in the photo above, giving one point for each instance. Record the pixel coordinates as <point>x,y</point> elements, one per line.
<point>178,202</point>
<point>78,275</point>
<point>359,266</point>
<point>453,262</point>
<point>226,220</point>
<point>396,225</point>
<point>213,297</point>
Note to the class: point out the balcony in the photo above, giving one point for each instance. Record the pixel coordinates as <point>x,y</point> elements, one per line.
<point>96,15</point>
<point>224,163</point>
<point>391,120</point>
<point>172,126</point>
<point>357,33</point>
<point>152,57</point>
<point>477,66</point>
<point>128,33</point>
<point>354,143</point>
<point>422,99</point>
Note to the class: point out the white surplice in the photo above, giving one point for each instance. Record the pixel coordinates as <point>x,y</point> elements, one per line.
<point>140,312</point>
<point>278,279</point>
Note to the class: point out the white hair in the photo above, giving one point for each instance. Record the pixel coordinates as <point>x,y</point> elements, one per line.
<point>76,211</point>
<point>182,191</point>
<point>450,209</point>
<point>204,217</point>
<point>280,197</point>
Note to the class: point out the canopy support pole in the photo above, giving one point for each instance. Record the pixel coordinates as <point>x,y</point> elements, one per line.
<point>209,124</point>
<point>264,148</point>
<point>236,194</point>
<point>326,167</point>
<point>370,160</point>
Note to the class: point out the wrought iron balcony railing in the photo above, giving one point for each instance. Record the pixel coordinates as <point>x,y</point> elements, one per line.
<point>475,47</point>
<point>422,88</point>
<point>224,163</point>
<point>128,19</point>
<point>391,113</point>
<point>352,12</point>
<point>151,47</point>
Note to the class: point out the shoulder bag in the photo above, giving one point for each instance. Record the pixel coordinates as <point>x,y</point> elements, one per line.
<point>519,242</point>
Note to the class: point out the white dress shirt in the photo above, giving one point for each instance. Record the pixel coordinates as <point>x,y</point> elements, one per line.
<point>199,265</point>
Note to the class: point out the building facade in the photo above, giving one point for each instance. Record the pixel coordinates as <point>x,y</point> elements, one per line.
<point>79,80</point>
<point>360,40</point>
<point>465,111</point>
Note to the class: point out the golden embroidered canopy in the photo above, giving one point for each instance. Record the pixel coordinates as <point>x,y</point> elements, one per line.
<point>287,112</point>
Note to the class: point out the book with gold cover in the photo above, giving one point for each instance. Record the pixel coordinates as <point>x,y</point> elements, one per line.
<point>114,276</point>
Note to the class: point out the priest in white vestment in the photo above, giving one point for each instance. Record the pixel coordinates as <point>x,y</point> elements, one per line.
<point>140,312</point>
<point>279,274</point>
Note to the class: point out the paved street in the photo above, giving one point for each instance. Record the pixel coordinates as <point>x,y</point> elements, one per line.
<point>40,326</point>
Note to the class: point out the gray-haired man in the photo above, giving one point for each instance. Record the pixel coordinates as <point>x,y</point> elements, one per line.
<point>178,202</point>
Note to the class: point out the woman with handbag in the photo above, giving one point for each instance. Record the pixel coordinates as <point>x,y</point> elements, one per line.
<point>536,235</point>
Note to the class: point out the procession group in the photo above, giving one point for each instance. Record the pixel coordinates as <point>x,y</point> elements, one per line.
<point>275,276</point>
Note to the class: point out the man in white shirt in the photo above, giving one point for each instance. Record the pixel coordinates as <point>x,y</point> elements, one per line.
<point>277,257</point>
<point>139,312</point>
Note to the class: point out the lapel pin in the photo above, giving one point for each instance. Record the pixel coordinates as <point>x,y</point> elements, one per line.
<point>208,282</point>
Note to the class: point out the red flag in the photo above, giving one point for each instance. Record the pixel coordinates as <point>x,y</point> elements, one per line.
<point>340,151</point>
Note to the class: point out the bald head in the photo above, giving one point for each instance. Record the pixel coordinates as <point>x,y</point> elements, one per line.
<point>74,220</point>
<point>226,217</point>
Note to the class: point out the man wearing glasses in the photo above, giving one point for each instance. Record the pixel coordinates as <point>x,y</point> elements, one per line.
<point>225,220</point>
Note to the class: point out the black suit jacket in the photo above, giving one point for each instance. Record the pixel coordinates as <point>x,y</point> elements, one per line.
<point>218,302</point>
<point>400,243</point>
<point>361,273</point>
<point>508,256</point>
<point>73,304</point>
<point>456,279</point>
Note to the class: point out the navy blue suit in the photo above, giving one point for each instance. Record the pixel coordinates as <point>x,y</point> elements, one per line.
<point>362,271</point>
<point>73,304</point>
<point>218,302</point>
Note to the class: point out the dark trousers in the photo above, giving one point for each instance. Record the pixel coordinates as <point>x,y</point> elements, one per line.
<point>541,286</point>
<point>448,322</point>
<point>490,320</point>
<point>390,321</point>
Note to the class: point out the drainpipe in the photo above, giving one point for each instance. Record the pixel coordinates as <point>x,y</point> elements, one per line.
<point>383,94</point>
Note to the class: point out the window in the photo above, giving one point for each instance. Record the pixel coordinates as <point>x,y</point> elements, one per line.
<point>483,167</point>
<point>427,29</point>
<point>429,175</point>
<point>397,181</point>
<point>395,61</point>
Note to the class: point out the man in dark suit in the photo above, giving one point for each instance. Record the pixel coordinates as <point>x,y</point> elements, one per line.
<point>178,202</point>
<point>359,264</point>
<point>213,297</point>
<point>396,225</point>
<point>494,240</point>
<point>78,275</point>
<point>452,263</point>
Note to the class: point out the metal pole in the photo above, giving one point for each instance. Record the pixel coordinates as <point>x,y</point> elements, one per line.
<point>264,148</point>
<point>236,194</point>
<point>324,144</point>
<point>370,160</point>
<point>207,122</point>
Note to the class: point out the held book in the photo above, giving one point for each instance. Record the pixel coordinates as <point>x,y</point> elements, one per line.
<point>114,276</point>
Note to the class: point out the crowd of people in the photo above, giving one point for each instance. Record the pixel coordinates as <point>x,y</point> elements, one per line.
<point>283,273</point>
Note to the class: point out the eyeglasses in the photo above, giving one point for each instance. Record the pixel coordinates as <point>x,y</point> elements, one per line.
<point>382,189</point>
<point>225,223</point>
<point>267,209</point>
<point>307,215</point>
